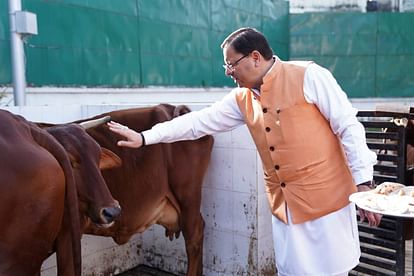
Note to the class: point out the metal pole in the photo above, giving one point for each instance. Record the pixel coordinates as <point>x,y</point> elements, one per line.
<point>401,9</point>
<point>17,51</point>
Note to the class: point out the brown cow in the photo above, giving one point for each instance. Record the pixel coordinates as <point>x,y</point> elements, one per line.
<point>157,184</point>
<point>39,210</point>
<point>95,201</point>
<point>410,152</point>
<point>410,143</point>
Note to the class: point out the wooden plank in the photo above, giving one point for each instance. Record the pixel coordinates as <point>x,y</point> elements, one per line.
<point>370,270</point>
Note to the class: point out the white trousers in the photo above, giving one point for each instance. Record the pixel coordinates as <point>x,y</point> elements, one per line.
<point>326,246</point>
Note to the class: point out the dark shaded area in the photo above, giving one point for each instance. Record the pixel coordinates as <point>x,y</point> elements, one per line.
<point>143,270</point>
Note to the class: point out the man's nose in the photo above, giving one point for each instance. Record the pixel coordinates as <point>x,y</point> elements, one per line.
<point>228,72</point>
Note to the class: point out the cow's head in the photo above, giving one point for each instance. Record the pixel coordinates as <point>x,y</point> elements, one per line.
<point>88,159</point>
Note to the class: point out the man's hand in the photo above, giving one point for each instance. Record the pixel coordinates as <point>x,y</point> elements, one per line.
<point>133,138</point>
<point>374,219</point>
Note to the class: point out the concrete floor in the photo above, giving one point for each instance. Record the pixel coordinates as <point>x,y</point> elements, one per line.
<point>143,270</point>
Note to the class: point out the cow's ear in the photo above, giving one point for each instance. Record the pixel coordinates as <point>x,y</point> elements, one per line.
<point>109,160</point>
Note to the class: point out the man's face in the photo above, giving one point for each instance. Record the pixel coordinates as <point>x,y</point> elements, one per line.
<point>239,67</point>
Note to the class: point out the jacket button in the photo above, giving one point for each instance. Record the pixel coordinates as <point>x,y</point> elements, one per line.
<point>267,129</point>
<point>277,167</point>
<point>254,98</point>
<point>264,110</point>
<point>277,110</point>
<point>283,184</point>
<point>272,148</point>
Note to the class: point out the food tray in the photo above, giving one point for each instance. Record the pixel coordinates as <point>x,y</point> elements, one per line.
<point>398,203</point>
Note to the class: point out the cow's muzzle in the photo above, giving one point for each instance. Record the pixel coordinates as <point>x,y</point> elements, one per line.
<point>108,216</point>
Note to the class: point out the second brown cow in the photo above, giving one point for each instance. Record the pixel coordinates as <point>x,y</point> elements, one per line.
<point>157,184</point>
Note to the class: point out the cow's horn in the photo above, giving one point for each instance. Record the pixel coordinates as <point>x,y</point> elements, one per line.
<point>94,123</point>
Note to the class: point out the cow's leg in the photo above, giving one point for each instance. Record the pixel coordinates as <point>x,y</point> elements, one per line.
<point>191,222</point>
<point>192,226</point>
<point>193,232</point>
<point>186,178</point>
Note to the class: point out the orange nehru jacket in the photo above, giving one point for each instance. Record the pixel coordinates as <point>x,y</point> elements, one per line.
<point>303,160</point>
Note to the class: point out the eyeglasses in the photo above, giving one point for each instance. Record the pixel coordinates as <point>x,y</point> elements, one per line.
<point>231,66</point>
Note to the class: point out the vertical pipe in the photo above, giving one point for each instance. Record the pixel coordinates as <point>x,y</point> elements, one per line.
<point>17,53</point>
<point>401,9</point>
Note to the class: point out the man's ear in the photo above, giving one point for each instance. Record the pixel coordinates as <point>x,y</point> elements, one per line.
<point>257,57</point>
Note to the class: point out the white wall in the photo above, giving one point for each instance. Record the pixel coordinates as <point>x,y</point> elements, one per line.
<point>53,96</point>
<point>408,5</point>
<point>68,101</point>
<point>300,6</point>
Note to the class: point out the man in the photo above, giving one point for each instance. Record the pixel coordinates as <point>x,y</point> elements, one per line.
<point>312,147</point>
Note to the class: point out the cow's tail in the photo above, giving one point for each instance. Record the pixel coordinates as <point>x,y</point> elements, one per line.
<point>71,214</point>
<point>181,110</point>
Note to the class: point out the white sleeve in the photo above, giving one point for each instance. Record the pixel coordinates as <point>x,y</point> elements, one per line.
<point>222,116</point>
<point>321,89</point>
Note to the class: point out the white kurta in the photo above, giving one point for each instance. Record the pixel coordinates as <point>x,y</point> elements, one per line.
<point>325,246</point>
<point>328,245</point>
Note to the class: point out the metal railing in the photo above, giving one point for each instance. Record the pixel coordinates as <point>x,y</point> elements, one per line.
<point>383,247</point>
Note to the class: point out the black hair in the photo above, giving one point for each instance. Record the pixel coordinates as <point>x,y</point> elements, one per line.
<point>246,40</point>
